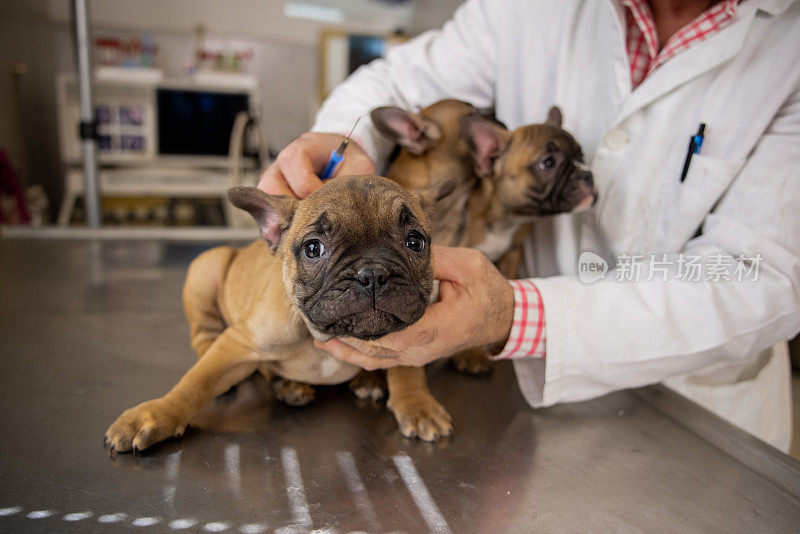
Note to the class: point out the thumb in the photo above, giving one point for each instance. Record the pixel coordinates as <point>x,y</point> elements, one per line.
<point>447,263</point>
<point>299,172</point>
<point>448,292</point>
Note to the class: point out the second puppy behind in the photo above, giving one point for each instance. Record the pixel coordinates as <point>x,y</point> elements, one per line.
<point>501,180</point>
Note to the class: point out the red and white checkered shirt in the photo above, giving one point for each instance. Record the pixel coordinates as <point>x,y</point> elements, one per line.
<point>527,337</point>
<point>642,39</point>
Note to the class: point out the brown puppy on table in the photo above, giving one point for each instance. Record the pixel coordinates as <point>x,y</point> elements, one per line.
<point>352,259</point>
<point>501,180</point>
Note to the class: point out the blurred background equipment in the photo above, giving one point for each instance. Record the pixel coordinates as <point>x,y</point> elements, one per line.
<point>151,58</point>
<point>164,138</point>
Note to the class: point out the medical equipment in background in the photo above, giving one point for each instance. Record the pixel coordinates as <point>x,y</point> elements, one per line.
<point>171,138</point>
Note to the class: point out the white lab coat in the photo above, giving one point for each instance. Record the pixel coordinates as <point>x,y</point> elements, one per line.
<point>720,343</point>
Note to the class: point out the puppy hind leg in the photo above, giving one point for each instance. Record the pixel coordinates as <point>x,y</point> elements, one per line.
<point>368,385</point>
<point>292,392</point>
<point>472,361</point>
<point>200,296</point>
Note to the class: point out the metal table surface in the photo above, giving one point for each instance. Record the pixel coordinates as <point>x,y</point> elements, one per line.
<point>88,329</point>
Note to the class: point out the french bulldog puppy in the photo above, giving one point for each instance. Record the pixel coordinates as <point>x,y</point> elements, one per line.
<point>434,151</point>
<point>501,180</point>
<point>352,259</point>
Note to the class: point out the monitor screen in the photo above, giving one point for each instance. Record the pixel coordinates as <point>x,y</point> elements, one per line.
<point>197,122</point>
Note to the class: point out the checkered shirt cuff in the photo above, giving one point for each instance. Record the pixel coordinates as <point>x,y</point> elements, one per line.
<point>527,338</point>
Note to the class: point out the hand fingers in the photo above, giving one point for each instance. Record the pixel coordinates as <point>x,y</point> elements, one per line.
<point>294,172</point>
<point>376,349</point>
<point>350,354</point>
<point>299,174</point>
<point>447,264</point>
<point>421,337</point>
<point>273,182</point>
<point>448,291</point>
<point>352,166</point>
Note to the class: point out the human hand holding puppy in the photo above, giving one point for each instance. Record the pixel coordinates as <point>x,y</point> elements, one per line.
<point>475,307</point>
<point>295,171</point>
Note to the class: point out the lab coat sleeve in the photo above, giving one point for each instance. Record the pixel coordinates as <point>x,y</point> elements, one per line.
<point>613,334</point>
<point>454,62</point>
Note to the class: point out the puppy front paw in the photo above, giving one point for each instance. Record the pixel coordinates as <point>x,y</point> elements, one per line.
<point>420,415</point>
<point>144,425</point>
<point>472,362</point>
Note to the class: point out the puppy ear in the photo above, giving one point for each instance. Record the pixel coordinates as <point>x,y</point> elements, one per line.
<point>273,213</point>
<point>490,113</point>
<point>487,140</point>
<point>430,196</point>
<point>409,130</point>
<point>554,117</point>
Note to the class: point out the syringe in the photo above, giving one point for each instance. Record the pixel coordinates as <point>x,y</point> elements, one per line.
<point>337,156</point>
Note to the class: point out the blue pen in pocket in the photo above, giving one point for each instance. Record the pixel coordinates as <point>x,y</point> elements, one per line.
<point>695,142</point>
<point>337,156</point>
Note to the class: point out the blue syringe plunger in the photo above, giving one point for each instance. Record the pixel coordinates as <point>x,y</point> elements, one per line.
<point>337,156</point>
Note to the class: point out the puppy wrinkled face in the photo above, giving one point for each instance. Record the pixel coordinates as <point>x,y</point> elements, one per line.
<point>357,259</point>
<point>543,173</point>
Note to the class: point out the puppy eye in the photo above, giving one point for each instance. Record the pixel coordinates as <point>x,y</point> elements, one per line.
<point>415,241</point>
<point>547,163</point>
<point>313,248</point>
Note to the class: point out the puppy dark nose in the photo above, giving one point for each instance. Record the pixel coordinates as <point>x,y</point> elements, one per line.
<point>372,278</point>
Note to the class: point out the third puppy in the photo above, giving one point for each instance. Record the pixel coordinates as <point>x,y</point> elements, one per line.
<point>500,180</point>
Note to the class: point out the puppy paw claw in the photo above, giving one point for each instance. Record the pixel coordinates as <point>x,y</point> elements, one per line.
<point>143,426</point>
<point>421,416</point>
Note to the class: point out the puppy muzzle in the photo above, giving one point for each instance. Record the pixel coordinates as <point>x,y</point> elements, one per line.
<point>375,304</point>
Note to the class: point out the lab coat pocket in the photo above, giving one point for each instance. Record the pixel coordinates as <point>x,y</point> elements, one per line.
<point>705,183</point>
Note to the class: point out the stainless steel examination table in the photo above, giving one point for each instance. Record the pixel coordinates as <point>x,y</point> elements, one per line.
<point>88,329</point>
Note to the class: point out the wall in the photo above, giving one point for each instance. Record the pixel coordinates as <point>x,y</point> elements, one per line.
<point>430,14</point>
<point>27,102</point>
<point>259,19</point>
